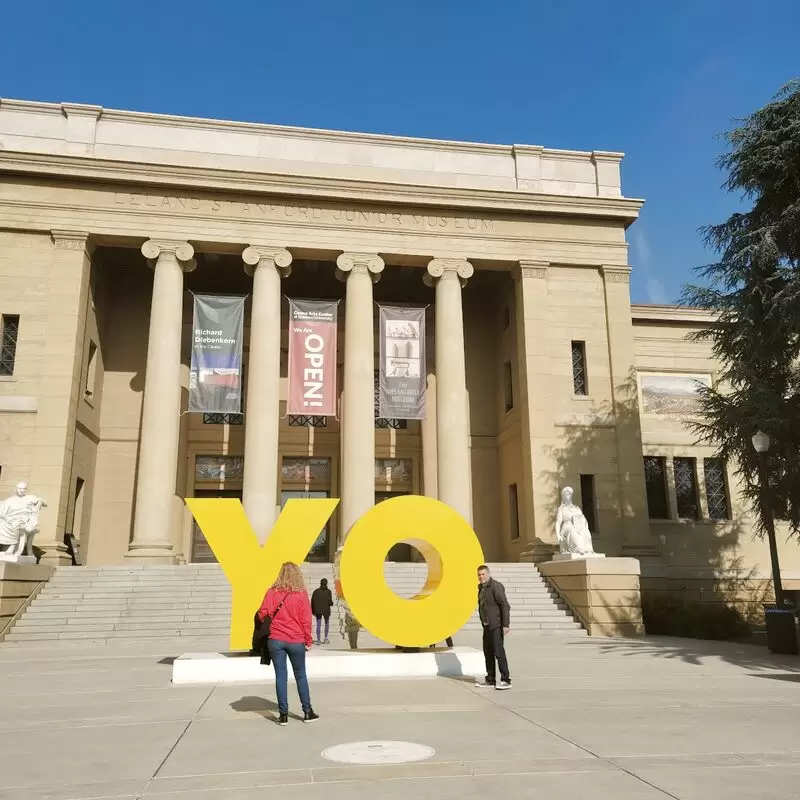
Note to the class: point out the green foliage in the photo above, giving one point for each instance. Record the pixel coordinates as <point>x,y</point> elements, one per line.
<point>755,290</point>
<point>666,615</point>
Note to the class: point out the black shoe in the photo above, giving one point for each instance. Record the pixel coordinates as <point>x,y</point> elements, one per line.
<point>283,719</point>
<point>310,716</point>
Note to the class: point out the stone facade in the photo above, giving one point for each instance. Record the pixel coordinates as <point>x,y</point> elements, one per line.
<point>541,372</point>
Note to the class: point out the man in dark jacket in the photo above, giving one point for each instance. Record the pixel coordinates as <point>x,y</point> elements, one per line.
<point>495,614</point>
<point>321,604</point>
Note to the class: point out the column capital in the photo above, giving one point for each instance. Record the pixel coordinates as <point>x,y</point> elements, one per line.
<point>530,270</point>
<point>448,267</point>
<point>359,264</point>
<point>616,274</point>
<point>70,240</point>
<point>258,255</point>
<point>181,252</point>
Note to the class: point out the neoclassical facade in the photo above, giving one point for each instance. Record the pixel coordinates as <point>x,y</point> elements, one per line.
<point>540,373</point>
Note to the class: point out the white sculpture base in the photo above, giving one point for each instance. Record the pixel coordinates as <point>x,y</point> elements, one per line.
<point>338,664</point>
<point>14,558</point>
<point>576,556</point>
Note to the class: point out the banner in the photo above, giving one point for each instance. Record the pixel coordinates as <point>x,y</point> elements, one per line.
<point>402,366</point>
<point>215,378</point>
<point>312,357</point>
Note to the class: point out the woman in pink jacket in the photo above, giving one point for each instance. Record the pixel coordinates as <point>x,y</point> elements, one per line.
<point>288,607</point>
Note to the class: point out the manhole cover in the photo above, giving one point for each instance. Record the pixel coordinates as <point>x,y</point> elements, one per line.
<point>378,753</point>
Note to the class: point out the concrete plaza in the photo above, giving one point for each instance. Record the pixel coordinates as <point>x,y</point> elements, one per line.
<point>623,719</point>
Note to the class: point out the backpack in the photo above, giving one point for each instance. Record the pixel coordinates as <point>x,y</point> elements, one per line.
<point>261,632</point>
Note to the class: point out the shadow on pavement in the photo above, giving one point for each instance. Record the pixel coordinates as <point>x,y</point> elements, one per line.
<point>791,677</point>
<point>698,652</point>
<point>259,706</point>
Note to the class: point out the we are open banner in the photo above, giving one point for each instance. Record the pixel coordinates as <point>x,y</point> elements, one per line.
<point>312,357</point>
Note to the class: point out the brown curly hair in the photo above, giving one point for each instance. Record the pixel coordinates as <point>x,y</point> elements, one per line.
<point>290,579</point>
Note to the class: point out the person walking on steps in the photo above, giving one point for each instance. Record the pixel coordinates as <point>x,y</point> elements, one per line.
<point>289,610</point>
<point>321,604</point>
<point>495,614</point>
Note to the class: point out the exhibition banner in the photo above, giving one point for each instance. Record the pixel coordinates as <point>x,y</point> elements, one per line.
<point>312,357</point>
<point>215,378</point>
<point>401,393</point>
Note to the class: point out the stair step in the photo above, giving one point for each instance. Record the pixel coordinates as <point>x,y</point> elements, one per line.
<point>188,607</point>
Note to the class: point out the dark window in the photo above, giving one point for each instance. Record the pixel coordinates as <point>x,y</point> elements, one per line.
<point>307,421</point>
<point>8,343</point>
<point>380,422</point>
<point>686,488</point>
<point>588,501</point>
<point>508,385</point>
<point>655,480</point>
<point>513,511</point>
<point>716,490</point>
<point>223,419</point>
<point>580,384</point>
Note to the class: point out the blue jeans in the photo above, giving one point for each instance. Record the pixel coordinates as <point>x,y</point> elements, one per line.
<point>319,626</point>
<point>278,651</point>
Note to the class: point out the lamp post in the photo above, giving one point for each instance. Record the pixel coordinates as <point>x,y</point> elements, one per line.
<point>761,446</point>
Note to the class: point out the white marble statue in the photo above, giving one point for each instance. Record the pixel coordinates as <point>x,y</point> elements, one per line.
<point>572,529</point>
<point>19,522</point>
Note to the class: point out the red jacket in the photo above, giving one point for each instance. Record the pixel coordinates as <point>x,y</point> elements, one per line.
<point>292,623</point>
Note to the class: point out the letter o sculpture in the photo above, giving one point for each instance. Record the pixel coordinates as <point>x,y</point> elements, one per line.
<point>451,550</point>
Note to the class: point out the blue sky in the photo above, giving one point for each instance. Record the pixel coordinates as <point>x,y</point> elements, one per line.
<point>657,80</point>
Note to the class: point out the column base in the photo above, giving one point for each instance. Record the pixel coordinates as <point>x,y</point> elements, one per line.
<point>151,555</point>
<point>538,551</point>
<point>55,554</point>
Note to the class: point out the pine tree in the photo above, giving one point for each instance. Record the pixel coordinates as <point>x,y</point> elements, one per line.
<point>754,289</point>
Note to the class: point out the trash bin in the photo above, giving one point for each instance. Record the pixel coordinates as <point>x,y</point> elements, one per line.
<point>781,630</point>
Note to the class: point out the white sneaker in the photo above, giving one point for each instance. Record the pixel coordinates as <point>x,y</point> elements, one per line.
<point>503,685</point>
<point>484,684</point>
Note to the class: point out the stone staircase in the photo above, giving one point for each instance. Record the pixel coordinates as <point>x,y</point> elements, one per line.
<point>189,606</point>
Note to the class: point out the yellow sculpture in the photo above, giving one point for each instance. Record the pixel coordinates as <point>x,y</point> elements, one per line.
<point>250,567</point>
<point>448,543</point>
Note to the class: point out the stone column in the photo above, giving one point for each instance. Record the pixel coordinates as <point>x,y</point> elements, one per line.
<point>267,265</point>
<point>430,470</point>
<point>632,503</point>
<point>62,348</point>
<point>161,405</point>
<point>452,420</point>
<point>533,327</point>
<point>359,270</point>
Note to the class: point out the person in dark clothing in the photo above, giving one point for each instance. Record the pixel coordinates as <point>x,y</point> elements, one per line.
<point>495,614</point>
<point>321,604</point>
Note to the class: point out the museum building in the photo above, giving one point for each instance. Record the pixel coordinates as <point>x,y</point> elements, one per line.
<point>538,371</point>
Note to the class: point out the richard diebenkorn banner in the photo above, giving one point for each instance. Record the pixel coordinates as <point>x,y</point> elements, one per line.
<point>215,379</point>
<point>312,357</point>
<point>402,366</point>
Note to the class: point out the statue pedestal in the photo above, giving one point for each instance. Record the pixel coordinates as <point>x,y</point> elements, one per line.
<point>576,556</point>
<point>603,593</point>
<point>14,558</point>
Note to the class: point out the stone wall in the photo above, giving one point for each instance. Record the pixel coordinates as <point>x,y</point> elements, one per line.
<point>17,583</point>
